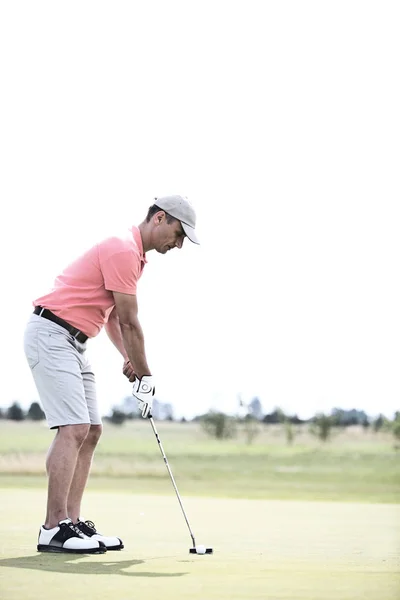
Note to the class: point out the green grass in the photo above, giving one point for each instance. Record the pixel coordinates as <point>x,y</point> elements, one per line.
<point>269,550</point>
<point>354,466</point>
<point>309,521</point>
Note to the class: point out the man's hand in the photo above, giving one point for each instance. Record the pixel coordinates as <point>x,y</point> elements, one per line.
<point>143,390</point>
<point>128,371</point>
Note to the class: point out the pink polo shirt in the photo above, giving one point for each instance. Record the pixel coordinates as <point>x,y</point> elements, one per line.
<point>82,294</point>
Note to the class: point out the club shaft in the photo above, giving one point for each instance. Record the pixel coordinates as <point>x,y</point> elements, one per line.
<point>172,478</point>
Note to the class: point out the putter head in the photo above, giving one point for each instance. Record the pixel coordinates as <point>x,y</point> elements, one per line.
<point>194,551</point>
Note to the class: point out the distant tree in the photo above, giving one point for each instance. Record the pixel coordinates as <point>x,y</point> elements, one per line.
<point>118,417</point>
<point>218,425</point>
<point>287,426</point>
<point>2,416</point>
<point>295,420</point>
<point>366,422</point>
<point>289,431</point>
<point>346,418</point>
<point>15,412</point>
<point>251,428</point>
<point>321,426</point>
<point>380,423</point>
<point>396,425</point>
<point>35,412</point>
<point>276,416</point>
<point>249,416</point>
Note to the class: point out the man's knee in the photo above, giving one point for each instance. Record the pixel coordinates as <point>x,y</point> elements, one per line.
<point>75,433</point>
<point>94,434</point>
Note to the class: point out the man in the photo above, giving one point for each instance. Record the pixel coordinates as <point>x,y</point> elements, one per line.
<point>98,289</point>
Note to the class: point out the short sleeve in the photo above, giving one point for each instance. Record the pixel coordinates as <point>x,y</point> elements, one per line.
<point>120,264</point>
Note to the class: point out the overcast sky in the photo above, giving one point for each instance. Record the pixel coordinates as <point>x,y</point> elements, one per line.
<point>280,121</point>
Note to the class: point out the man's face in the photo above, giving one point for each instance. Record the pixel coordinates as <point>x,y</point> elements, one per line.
<point>167,235</point>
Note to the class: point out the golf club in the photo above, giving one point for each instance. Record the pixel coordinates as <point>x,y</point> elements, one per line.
<point>200,549</point>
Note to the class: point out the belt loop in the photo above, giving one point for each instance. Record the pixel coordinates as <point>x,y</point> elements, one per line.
<point>40,314</point>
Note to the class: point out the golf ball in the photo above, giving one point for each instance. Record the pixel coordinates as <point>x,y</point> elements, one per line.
<point>200,549</point>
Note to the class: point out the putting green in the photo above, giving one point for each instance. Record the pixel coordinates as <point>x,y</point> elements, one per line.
<point>267,550</point>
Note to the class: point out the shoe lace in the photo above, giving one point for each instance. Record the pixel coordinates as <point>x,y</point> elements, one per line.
<point>87,527</point>
<point>76,529</point>
<point>70,530</point>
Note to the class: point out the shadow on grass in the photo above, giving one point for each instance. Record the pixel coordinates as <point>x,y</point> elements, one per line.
<point>67,563</point>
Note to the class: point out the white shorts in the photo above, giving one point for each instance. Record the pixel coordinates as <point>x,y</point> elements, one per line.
<point>63,376</point>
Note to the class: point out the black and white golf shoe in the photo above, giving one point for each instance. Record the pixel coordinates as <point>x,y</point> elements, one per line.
<point>66,537</point>
<point>89,531</point>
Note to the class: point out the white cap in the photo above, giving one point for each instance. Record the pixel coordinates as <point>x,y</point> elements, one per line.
<point>180,208</point>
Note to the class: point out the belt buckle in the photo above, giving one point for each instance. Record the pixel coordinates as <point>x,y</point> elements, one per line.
<point>76,335</point>
<point>75,332</point>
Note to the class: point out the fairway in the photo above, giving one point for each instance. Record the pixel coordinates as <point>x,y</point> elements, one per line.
<point>269,550</point>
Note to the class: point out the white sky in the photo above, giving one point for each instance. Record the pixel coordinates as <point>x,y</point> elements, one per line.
<point>280,121</point>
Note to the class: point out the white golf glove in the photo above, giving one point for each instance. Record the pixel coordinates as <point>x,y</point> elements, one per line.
<point>143,390</point>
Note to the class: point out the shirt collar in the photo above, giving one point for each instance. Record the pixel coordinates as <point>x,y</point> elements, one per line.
<point>139,242</point>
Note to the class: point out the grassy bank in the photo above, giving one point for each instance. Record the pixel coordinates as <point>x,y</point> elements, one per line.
<point>355,465</point>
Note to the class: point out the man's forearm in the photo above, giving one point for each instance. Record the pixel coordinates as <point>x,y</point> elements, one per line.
<point>133,341</point>
<point>113,331</point>
<point>129,340</point>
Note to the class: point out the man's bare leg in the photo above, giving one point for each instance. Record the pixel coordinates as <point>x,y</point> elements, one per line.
<point>81,474</point>
<point>61,464</point>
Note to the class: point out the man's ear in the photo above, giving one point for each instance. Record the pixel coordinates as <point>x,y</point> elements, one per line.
<point>159,217</point>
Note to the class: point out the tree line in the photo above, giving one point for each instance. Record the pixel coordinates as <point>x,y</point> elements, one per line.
<point>321,425</point>
<point>250,416</point>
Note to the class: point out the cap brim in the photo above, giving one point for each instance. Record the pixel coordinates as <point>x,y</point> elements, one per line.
<point>190,233</point>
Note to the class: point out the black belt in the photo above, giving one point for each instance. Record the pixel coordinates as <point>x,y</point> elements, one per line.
<point>47,314</point>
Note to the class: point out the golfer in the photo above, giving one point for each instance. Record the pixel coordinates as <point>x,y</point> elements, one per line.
<point>98,289</point>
